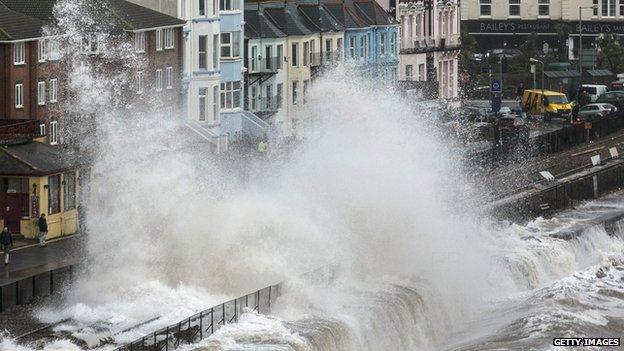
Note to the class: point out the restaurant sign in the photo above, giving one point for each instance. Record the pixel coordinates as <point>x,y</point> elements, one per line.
<point>541,27</point>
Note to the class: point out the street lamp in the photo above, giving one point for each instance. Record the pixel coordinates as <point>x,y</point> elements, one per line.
<point>532,60</point>
<point>593,7</point>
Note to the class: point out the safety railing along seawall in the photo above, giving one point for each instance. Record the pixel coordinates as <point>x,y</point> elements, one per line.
<point>201,325</point>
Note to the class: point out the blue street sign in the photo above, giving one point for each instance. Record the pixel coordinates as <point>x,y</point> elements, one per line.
<point>496,87</point>
<point>496,102</point>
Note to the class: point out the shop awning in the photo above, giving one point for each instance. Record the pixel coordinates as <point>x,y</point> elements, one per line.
<point>600,73</point>
<point>561,74</point>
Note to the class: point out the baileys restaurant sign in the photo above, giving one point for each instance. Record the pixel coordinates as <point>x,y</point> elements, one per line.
<point>541,27</point>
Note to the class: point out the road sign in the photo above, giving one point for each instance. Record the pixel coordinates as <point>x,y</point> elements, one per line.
<point>496,87</point>
<point>496,102</point>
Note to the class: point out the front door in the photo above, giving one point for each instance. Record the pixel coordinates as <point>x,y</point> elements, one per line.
<point>12,209</point>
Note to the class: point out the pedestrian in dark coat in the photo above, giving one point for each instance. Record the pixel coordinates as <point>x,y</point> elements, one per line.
<point>6,242</point>
<point>43,230</point>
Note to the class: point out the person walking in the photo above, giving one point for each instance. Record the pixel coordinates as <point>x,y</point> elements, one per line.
<point>6,243</point>
<point>43,230</point>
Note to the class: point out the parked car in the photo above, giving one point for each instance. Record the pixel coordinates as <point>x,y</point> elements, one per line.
<point>589,112</point>
<point>615,98</point>
<point>547,103</point>
<point>593,90</point>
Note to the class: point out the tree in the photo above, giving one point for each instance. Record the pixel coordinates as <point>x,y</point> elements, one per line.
<point>468,47</point>
<point>529,49</point>
<point>563,32</point>
<point>611,54</point>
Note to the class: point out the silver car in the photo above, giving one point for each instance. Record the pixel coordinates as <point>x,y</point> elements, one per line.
<point>591,111</point>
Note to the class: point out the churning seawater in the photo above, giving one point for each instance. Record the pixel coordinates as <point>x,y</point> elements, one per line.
<point>372,188</point>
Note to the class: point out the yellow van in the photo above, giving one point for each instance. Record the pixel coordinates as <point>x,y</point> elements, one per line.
<point>547,103</point>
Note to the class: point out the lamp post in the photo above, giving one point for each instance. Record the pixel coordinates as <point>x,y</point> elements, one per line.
<point>593,7</point>
<point>532,60</point>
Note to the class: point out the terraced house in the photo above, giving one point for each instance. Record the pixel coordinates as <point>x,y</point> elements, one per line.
<point>430,44</point>
<point>35,178</point>
<point>288,43</point>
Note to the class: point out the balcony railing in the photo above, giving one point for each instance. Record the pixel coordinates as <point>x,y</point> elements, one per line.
<point>430,44</point>
<point>266,65</point>
<point>265,104</point>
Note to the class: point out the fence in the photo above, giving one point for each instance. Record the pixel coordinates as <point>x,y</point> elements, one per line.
<point>584,186</point>
<point>22,291</point>
<point>204,323</point>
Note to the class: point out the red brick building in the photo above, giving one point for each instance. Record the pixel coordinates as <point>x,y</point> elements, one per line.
<point>33,75</point>
<point>35,174</point>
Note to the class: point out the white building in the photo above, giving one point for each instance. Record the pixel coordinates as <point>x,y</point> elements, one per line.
<point>506,24</point>
<point>430,43</point>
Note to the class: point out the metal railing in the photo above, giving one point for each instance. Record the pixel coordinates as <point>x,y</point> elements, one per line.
<point>201,325</point>
<point>266,65</point>
<point>265,103</point>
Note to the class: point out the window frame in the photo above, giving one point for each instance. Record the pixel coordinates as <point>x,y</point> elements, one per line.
<point>19,95</point>
<point>230,95</point>
<point>543,4</point>
<point>159,39</point>
<point>41,93</point>
<point>140,83</point>
<point>42,49</point>
<point>19,53</point>
<point>513,6</point>
<point>53,137</point>
<point>159,80</point>
<point>169,78</point>
<point>485,4</point>
<point>139,42</point>
<point>233,46</point>
<point>169,38</point>
<point>202,41</point>
<point>53,90</point>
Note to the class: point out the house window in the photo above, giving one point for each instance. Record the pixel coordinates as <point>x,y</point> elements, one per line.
<point>230,44</point>
<point>169,78</point>
<point>595,9</point>
<point>139,42</point>
<point>421,72</point>
<point>268,58</point>
<point>279,93</point>
<point>203,101</point>
<point>254,94</point>
<point>230,95</point>
<point>514,8</point>
<point>42,129</point>
<point>43,50</point>
<point>202,7</point>
<point>306,83</point>
<point>280,56</point>
<point>19,54</point>
<point>215,103</point>
<point>409,72</point>
<point>363,47</point>
<point>41,93</point>
<point>608,8</point>
<point>169,42</point>
<point>352,47</point>
<point>485,7</point>
<point>393,43</point>
<point>269,97</point>
<point>254,55</point>
<point>339,48</point>
<point>621,8</point>
<point>306,53</point>
<point>139,82</point>
<point>293,54</point>
<point>53,132</point>
<point>382,43</point>
<point>328,49</point>
<point>54,194</point>
<point>159,82</point>
<point>203,52</point>
<point>228,5</point>
<point>159,39</point>
<point>312,51</point>
<point>544,7</point>
<point>53,51</point>
<point>19,95</point>
<point>53,87</point>
<point>215,52</point>
<point>294,92</point>
<point>69,191</point>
